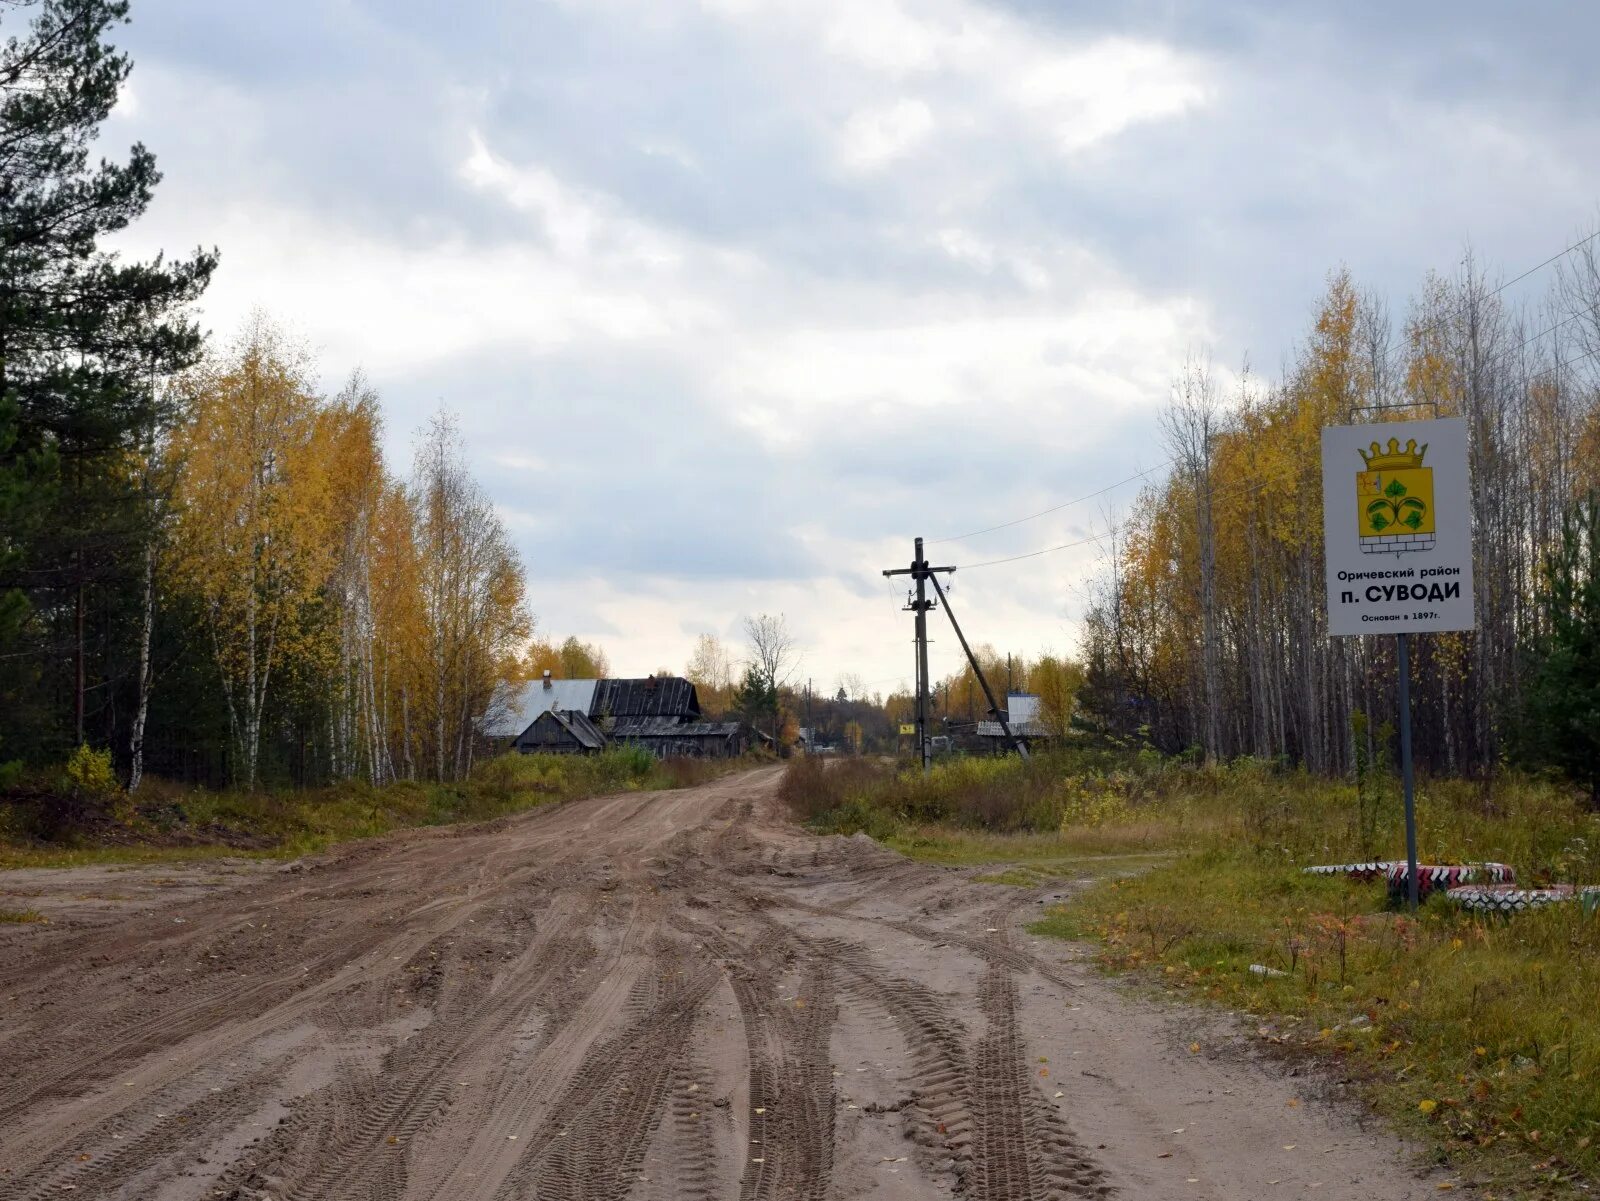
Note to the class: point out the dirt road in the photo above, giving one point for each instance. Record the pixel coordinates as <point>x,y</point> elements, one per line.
<point>653,996</point>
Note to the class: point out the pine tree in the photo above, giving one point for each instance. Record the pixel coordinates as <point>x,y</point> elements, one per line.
<point>84,340</point>
<point>1561,718</point>
<point>756,698</point>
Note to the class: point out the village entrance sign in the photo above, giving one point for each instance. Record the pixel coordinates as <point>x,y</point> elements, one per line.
<point>1397,545</point>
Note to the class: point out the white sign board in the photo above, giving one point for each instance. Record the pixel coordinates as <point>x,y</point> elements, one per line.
<point>1397,527</point>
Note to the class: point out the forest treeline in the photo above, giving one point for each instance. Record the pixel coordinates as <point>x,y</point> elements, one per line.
<point>1208,627</point>
<point>206,567</point>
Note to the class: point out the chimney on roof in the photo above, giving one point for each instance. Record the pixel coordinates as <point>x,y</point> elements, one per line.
<point>547,677</point>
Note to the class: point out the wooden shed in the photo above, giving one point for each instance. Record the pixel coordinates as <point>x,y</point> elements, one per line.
<point>561,732</point>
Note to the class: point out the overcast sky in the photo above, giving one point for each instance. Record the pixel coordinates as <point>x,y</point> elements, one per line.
<point>732,297</point>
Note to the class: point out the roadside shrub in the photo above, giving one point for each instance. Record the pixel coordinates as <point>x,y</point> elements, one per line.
<point>687,773</point>
<point>88,773</point>
<point>812,786</point>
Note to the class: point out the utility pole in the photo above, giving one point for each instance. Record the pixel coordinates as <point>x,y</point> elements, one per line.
<point>923,574</point>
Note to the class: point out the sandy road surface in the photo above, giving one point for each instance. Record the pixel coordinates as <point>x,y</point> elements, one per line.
<point>653,996</point>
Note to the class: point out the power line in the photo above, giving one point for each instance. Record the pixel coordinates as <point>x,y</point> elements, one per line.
<point>1578,245</point>
<point>1515,279</point>
<point>1050,550</point>
<point>1588,354</point>
<point>1004,525</point>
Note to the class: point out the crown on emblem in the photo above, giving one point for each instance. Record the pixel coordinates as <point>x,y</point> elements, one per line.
<point>1378,459</point>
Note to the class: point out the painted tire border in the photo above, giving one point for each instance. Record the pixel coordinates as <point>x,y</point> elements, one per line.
<point>1508,899</point>
<point>1436,877</point>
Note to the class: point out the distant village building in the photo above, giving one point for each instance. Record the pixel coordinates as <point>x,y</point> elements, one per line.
<point>582,717</point>
<point>561,732</point>
<point>1024,717</point>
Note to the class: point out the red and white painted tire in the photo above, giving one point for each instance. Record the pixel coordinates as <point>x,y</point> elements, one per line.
<point>1433,877</point>
<point>1356,871</point>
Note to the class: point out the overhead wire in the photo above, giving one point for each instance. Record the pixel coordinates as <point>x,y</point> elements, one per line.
<point>1437,322</point>
<point>1005,525</point>
<point>1050,550</point>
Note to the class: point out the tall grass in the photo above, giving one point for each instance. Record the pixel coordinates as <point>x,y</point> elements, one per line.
<point>164,820</point>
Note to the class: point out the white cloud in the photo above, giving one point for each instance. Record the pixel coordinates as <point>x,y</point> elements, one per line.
<point>883,36</point>
<point>577,227</point>
<point>873,138</point>
<point>1009,76</point>
<point>1088,95</point>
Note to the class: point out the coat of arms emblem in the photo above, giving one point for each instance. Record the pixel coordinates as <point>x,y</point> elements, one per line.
<point>1394,499</point>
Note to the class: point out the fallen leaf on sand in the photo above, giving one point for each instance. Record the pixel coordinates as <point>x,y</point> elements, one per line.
<point>1194,1048</point>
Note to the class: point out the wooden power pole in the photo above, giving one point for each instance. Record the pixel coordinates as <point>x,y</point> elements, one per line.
<point>922,574</point>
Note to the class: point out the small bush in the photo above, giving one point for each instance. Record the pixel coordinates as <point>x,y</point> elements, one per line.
<point>89,773</point>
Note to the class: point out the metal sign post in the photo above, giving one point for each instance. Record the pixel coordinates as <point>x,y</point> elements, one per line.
<point>1402,643</point>
<point>1396,513</point>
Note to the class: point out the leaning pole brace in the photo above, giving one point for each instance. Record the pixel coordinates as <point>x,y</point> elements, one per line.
<point>1000,714</point>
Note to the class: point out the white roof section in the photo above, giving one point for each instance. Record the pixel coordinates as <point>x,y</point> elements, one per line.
<point>536,697</point>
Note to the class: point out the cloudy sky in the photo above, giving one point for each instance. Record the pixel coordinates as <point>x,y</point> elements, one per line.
<point>734,297</point>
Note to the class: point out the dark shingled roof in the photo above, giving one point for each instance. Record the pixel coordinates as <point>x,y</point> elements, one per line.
<point>579,726</point>
<point>667,696</point>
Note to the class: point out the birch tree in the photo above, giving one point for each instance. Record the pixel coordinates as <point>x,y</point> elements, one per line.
<point>473,605</point>
<point>252,533</point>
